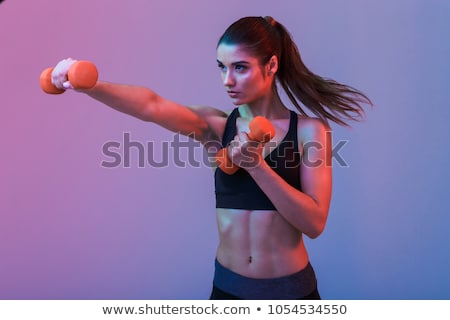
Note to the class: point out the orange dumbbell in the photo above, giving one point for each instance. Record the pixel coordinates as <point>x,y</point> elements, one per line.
<point>261,130</point>
<point>81,75</point>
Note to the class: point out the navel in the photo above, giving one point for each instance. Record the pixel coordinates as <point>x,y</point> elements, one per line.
<point>250,259</point>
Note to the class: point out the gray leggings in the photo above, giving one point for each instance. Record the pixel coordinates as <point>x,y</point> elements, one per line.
<point>230,285</point>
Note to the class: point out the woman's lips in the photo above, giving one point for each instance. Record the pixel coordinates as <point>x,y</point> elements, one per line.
<point>233,94</point>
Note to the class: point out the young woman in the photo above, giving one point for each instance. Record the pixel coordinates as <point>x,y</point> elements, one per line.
<point>282,190</point>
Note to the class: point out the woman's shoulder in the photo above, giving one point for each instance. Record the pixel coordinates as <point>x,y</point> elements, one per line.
<point>305,121</point>
<point>312,128</point>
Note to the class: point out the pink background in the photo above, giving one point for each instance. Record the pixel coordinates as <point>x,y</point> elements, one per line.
<point>70,229</point>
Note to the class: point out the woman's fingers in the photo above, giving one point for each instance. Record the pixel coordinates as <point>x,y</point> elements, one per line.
<point>59,74</point>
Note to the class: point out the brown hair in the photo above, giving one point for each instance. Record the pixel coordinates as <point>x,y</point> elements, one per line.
<point>264,37</point>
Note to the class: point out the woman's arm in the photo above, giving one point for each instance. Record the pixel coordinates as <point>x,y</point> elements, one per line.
<point>306,210</point>
<point>201,123</point>
<point>143,103</point>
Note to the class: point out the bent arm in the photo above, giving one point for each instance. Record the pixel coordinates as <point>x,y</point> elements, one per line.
<point>306,210</point>
<point>145,104</point>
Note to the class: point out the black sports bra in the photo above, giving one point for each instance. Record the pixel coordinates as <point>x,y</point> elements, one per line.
<point>240,191</point>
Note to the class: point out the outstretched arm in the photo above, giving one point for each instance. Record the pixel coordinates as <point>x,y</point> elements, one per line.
<point>143,103</point>
<point>200,122</point>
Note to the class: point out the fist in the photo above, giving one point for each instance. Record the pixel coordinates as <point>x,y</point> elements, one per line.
<point>244,152</point>
<point>59,74</point>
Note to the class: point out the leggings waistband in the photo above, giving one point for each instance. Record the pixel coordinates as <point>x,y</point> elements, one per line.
<point>289,287</point>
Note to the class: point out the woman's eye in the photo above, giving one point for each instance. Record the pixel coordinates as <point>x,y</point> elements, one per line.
<point>240,67</point>
<point>221,67</point>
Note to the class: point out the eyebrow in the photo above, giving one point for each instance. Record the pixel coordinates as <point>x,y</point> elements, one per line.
<point>235,63</point>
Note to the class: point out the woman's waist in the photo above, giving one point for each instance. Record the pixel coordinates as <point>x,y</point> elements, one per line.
<point>287,287</point>
<point>259,261</point>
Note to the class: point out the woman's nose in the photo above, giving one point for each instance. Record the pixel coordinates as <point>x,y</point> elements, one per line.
<point>228,79</point>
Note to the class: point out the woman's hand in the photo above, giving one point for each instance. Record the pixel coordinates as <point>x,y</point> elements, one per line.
<point>59,73</point>
<point>244,152</point>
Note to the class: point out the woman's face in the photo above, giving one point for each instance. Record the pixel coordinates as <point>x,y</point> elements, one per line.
<point>245,80</point>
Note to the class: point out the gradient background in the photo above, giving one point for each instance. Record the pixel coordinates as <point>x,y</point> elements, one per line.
<point>71,229</point>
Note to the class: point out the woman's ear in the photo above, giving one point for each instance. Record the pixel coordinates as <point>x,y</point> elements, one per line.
<point>272,66</point>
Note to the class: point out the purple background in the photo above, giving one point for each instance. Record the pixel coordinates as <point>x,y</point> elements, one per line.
<point>71,229</point>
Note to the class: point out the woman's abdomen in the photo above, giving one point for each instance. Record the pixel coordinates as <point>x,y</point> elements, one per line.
<point>259,244</point>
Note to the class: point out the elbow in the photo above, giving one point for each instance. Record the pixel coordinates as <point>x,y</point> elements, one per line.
<point>316,228</point>
<point>315,233</point>
<point>318,221</point>
<point>149,110</point>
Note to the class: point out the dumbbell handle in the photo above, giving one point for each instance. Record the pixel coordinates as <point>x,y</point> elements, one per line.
<point>261,130</point>
<point>81,75</point>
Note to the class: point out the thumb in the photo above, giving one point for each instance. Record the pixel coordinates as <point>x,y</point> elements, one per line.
<point>67,85</point>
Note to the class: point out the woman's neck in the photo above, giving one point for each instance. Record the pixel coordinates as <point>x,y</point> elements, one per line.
<point>270,107</point>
